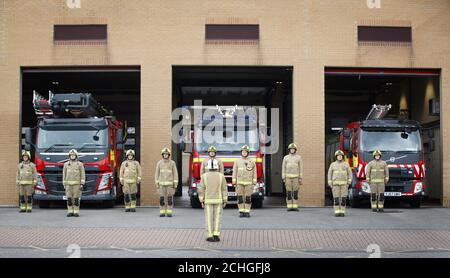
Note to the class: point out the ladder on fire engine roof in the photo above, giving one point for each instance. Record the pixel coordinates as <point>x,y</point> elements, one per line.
<point>378,111</point>
<point>80,105</point>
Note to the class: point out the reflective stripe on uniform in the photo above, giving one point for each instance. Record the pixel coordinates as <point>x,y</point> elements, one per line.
<point>245,183</point>
<point>292,176</point>
<point>165,183</point>
<point>216,222</point>
<point>26,182</point>
<point>377,180</point>
<point>130,180</point>
<point>73,182</point>
<point>339,183</point>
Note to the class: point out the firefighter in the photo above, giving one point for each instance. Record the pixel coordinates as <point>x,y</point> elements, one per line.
<point>244,179</point>
<point>130,176</point>
<point>212,151</point>
<point>377,175</point>
<point>26,178</point>
<point>292,175</point>
<point>339,178</point>
<point>73,181</point>
<point>166,180</point>
<point>213,195</point>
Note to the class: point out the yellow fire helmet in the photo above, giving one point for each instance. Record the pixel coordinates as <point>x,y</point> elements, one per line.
<point>212,149</point>
<point>165,150</point>
<point>292,146</point>
<point>129,152</point>
<point>376,152</point>
<point>73,151</point>
<point>245,148</point>
<point>338,152</point>
<point>26,153</point>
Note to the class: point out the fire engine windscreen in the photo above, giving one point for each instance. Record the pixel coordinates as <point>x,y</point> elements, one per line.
<point>226,140</point>
<point>390,141</point>
<point>66,138</point>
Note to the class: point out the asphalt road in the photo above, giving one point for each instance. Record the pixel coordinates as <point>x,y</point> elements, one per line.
<point>270,232</point>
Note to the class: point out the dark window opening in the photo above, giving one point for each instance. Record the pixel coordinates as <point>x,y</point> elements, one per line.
<point>232,31</point>
<point>384,33</point>
<point>79,32</point>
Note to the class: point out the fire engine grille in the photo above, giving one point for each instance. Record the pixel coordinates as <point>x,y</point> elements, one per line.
<point>55,186</point>
<point>401,173</point>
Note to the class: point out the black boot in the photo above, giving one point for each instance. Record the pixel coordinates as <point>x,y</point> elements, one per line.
<point>210,239</point>
<point>162,215</point>
<point>241,214</point>
<point>216,238</point>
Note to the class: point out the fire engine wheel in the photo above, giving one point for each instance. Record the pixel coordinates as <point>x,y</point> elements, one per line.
<point>415,203</point>
<point>108,204</point>
<point>195,202</point>
<point>257,203</point>
<point>44,204</point>
<point>353,202</point>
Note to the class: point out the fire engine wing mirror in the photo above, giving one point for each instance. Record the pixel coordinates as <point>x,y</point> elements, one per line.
<point>431,146</point>
<point>186,147</point>
<point>119,138</point>
<point>28,138</point>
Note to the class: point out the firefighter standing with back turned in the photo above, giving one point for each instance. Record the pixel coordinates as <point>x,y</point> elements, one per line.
<point>212,151</point>
<point>166,180</point>
<point>339,178</point>
<point>130,176</point>
<point>292,175</point>
<point>26,178</point>
<point>244,178</point>
<point>73,180</point>
<point>377,175</point>
<point>213,195</point>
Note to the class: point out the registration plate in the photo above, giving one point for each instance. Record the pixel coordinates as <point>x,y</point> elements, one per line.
<point>64,197</point>
<point>391,194</point>
<point>231,193</point>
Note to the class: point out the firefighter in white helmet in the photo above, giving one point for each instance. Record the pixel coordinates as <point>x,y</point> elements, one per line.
<point>26,178</point>
<point>73,180</point>
<point>213,195</point>
<point>212,152</point>
<point>166,180</point>
<point>377,175</point>
<point>339,178</point>
<point>244,179</point>
<point>292,175</point>
<point>130,176</point>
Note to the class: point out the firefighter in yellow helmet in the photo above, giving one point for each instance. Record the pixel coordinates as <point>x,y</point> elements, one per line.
<point>244,179</point>
<point>130,176</point>
<point>166,180</point>
<point>377,175</point>
<point>339,178</point>
<point>26,178</point>
<point>73,180</point>
<point>212,151</point>
<point>292,175</point>
<point>213,195</point>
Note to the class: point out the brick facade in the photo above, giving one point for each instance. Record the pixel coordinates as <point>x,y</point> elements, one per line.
<point>308,35</point>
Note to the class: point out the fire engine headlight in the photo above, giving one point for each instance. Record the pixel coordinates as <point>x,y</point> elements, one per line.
<point>418,188</point>
<point>104,182</point>
<point>365,187</point>
<point>40,183</point>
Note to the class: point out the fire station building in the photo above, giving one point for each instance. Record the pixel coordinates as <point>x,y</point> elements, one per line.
<point>321,63</point>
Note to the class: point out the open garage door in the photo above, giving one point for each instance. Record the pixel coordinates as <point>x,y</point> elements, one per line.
<point>247,86</point>
<point>413,94</point>
<point>117,89</point>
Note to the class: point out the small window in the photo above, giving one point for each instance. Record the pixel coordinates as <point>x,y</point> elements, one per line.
<point>232,32</point>
<point>79,32</point>
<point>384,34</point>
